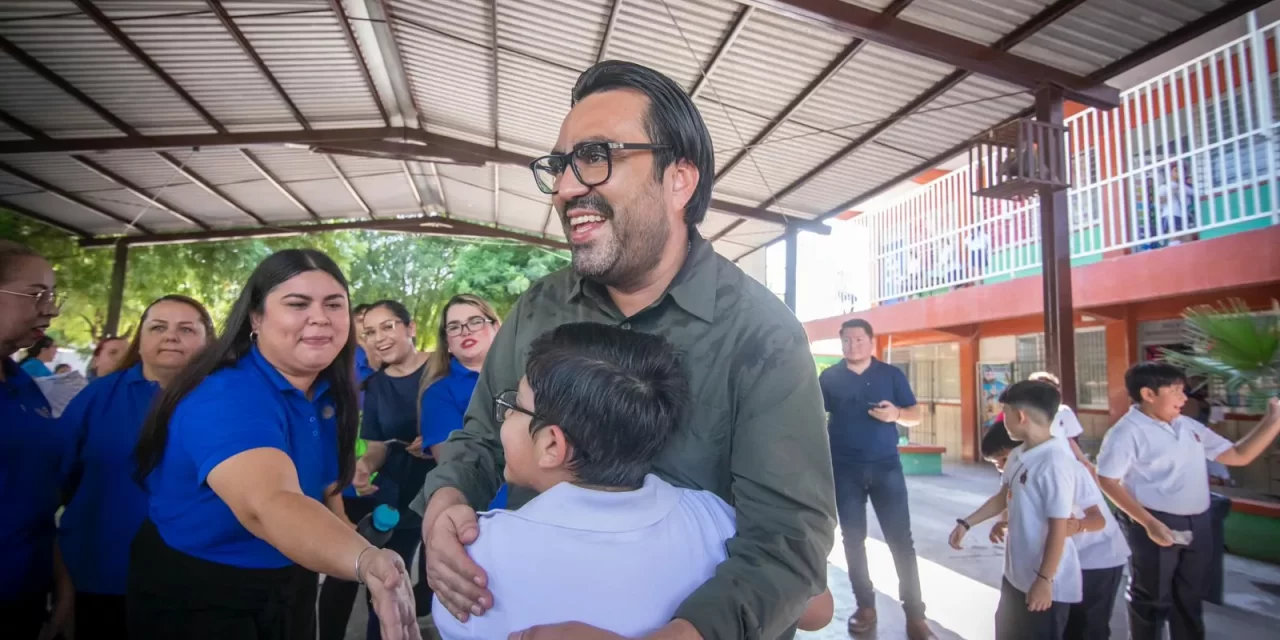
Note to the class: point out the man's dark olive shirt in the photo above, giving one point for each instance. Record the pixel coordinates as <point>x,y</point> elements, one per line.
<point>755,433</point>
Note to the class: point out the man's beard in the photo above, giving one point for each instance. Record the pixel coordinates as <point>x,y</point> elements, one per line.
<point>632,247</point>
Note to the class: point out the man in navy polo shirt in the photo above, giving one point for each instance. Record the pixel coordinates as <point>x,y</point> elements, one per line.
<point>865,400</point>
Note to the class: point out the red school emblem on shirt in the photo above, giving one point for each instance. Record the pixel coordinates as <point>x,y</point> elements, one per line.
<point>1023,478</point>
<point>1197,436</point>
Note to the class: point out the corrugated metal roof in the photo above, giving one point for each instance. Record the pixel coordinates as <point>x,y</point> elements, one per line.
<point>446,50</point>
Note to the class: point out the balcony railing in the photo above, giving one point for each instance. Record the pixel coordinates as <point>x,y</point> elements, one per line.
<point>1190,154</point>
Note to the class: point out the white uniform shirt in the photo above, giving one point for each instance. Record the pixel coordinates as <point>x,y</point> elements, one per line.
<point>1066,424</point>
<point>1042,485</point>
<point>1162,465</point>
<point>1103,549</point>
<point>621,561</point>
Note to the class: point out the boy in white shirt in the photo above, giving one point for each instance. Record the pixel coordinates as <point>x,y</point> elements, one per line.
<point>1066,424</point>
<point>606,543</point>
<point>1153,466</point>
<point>1100,544</point>
<point>1041,569</point>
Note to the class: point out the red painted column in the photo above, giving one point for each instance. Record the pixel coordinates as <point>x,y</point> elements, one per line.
<point>969,425</point>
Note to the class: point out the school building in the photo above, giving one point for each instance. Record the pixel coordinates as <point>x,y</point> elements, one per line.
<point>1172,203</point>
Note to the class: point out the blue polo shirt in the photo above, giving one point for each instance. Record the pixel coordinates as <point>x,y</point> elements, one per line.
<point>444,404</point>
<point>107,507</point>
<point>32,466</point>
<point>248,405</point>
<point>854,434</point>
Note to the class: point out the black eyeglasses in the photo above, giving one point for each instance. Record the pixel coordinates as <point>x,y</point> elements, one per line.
<point>504,403</point>
<point>472,325</point>
<point>592,163</point>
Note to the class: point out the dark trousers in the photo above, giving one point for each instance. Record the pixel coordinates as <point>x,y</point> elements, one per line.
<point>1014,621</point>
<point>884,484</point>
<point>22,618</point>
<point>338,596</point>
<point>1168,584</point>
<point>172,596</point>
<point>101,615</point>
<point>1090,619</point>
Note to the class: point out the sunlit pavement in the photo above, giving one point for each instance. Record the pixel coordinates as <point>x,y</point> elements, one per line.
<point>961,588</point>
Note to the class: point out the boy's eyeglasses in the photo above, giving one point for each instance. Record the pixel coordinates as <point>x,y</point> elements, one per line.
<point>504,403</point>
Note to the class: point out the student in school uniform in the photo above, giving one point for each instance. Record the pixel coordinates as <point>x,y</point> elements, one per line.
<point>1066,424</point>
<point>1038,487</point>
<point>1153,466</point>
<point>244,456</point>
<point>105,507</point>
<point>596,406</point>
<point>1103,553</point>
<point>32,456</point>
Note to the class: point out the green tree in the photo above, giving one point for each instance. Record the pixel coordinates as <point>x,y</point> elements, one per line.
<point>420,271</point>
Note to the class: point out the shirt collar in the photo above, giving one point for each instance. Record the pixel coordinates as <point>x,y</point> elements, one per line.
<point>693,288</point>
<point>1144,420</point>
<point>456,369</point>
<point>133,375</point>
<point>320,386</point>
<point>569,506</point>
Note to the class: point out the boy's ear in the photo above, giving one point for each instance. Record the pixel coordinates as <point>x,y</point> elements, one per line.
<point>551,447</point>
<point>1149,394</point>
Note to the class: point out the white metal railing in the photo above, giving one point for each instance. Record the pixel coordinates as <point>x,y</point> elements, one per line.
<point>1191,153</point>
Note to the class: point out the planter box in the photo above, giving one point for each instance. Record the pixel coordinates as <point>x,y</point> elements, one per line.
<point>921,459</point>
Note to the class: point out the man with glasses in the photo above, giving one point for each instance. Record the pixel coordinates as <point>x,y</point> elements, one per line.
<point>631,178</point>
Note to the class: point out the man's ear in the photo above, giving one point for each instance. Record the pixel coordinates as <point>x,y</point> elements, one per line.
<point>681,181</point>
<point>551,448</point>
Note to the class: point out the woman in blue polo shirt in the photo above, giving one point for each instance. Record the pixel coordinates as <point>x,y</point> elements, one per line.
<point>244,455</point>
<point>388,426</point>
<point>31,453</point>
<point>467,326</point>
<point>105,506</point>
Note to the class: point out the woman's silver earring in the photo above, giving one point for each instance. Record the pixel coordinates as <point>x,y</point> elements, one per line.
<point>253,336</point>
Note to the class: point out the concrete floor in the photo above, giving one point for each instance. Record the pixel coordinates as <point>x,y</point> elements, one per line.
<point>961,588</point>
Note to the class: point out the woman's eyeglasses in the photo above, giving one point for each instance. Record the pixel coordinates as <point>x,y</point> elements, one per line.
<point>386,327</point>
<point>472,325</point>
<point>48,298</point>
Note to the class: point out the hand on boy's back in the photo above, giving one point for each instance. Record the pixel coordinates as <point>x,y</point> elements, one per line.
<point>457,580</point>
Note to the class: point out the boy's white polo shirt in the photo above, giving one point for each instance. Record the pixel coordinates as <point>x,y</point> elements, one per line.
<point>1162,465</point>
<point>1042,484</point>
<point>1066,424</point>
<point>1103,549</point>
<point>621,561</point>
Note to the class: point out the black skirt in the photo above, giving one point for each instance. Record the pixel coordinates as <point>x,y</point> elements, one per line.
<point>175,595</point>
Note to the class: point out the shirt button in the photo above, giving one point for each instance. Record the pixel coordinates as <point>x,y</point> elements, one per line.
<point>626,325</point>
<point>316,432</point>
<point>313,418</point>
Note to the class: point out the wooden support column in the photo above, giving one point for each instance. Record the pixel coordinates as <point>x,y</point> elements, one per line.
<point>793,249</point>
<point>116,294</point>
<point>1055,245</point>
<point>970,426</point>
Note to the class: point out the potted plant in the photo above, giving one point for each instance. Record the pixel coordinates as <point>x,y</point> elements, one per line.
<point>1233,347</point>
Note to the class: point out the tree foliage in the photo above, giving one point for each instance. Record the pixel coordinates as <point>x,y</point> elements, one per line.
<point>420,271</point>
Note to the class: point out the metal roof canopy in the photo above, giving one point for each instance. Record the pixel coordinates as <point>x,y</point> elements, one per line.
<point>188,120</point>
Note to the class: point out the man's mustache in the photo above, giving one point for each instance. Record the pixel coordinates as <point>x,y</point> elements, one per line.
<point>592,201</point>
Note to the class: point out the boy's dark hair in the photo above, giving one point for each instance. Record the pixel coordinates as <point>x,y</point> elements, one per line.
<point>858,323</point>
<point>1043,397</point>
<point>360,308</point>
<point>618,396</point>
<point>1153,376</point>
<point>997,440</point>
